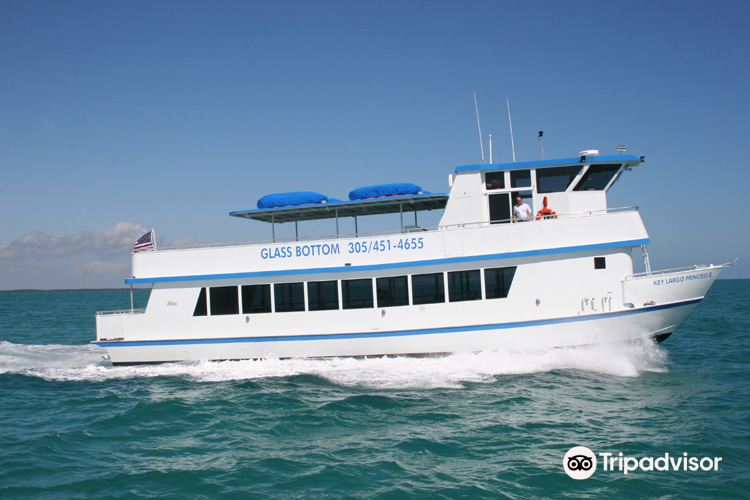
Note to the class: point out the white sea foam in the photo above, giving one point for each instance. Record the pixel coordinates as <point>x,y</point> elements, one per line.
<point>84,363</point>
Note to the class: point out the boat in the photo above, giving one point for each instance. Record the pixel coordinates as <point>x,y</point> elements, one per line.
<point>482,279</point>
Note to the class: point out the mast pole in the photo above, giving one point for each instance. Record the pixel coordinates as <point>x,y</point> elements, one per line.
<point>541,141</point>
<point>479,126</point>
<point>510,125</point>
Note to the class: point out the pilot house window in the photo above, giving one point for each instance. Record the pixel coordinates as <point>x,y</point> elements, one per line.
<point>520,178</point>
<point>597,177</point>
<point>494,180</point>
<point>555,180</point>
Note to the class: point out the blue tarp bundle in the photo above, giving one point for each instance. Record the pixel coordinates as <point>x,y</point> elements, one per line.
<point>279,200</point>
<point>383,190</point>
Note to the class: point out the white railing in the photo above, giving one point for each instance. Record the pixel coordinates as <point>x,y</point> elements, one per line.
<point>677,270</point>
<point>121,312</point>
<point>409,229</point>
<point>566,215</point>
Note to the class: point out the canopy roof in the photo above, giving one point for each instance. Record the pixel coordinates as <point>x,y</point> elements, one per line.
<point>629,160</point>
<point>338,208</point>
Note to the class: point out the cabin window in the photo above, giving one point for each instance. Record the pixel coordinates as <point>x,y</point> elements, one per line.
<point>224,300</point>
<point>289,297</point>
<point>497,282</point>
<point>393,291</point>
<point>256,299</point>
<point>464,285</point>
<point>520,178</point>
<point>597,177</point>
<point>494,180</point>
<point>555,180</point>
<point>600,263</point>
<point>427,288</point>
<point>201,307</point>
<point>357,294</point>
<point>322,295</point>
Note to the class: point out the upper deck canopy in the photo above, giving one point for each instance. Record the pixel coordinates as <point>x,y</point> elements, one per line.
<point>628,160</point>
<point>338,208</point>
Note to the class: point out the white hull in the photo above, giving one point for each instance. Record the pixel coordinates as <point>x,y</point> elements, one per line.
<point>607,328</point>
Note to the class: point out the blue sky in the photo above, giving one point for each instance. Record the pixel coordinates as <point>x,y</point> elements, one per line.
<point>115,117</point>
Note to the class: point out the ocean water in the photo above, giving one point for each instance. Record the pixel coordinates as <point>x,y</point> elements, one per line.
<point>493,424</point>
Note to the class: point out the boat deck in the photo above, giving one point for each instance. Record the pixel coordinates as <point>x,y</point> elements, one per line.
<point>406,229</point>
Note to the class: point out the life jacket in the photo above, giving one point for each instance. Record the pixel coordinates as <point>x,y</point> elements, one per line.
<point>546,213</point>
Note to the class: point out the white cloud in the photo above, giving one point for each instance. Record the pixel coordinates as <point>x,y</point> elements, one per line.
<point>117,239</point>
<point>103,267</point>
<point>81,260</point>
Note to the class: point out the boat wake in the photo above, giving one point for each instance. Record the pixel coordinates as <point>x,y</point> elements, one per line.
<point>84,363</point>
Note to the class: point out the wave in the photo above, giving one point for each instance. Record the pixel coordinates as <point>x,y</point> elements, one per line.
<point>85,363</point>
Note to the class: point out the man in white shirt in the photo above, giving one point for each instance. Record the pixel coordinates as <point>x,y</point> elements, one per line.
<point>521,211</point>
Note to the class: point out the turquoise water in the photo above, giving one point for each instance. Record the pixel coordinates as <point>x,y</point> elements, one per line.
<point>481,425</point>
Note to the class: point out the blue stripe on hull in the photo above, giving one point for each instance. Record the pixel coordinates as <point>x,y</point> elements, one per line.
<point>397,333</point>
<point>393,265</point>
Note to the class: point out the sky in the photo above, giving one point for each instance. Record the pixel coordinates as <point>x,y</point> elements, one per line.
<point>116,117</point>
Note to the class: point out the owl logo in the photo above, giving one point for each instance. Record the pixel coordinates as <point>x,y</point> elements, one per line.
<point>579,462</point>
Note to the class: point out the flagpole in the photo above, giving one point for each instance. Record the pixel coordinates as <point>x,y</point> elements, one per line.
<point>153,236</point>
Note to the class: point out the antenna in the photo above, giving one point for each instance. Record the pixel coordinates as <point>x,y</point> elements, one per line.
<point>541,141</point>
<point>479,126</point>
<point>510,124</point>
<point>490,148</point>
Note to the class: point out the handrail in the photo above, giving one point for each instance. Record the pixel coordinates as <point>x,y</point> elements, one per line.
<point>685,269</point>
<point>121,312</point>
<point>566,215</point>
<point>447,227</point>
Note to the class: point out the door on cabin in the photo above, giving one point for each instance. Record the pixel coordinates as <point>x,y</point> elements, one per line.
<point>499,208</point>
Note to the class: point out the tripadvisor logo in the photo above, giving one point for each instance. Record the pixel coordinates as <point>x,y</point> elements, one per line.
<point>580,463</point>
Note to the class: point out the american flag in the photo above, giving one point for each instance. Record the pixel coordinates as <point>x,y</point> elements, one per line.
<point>145,242</point>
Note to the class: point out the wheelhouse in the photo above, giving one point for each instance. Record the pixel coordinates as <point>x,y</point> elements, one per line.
<point>486,192</point>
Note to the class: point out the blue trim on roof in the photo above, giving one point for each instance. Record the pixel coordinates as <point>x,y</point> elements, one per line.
<point>392,265</point>
<point>395,333</point>
<point>333,203</point>
<point>558,162</point>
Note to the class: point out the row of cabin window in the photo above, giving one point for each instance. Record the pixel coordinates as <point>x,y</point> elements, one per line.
<point>555,179</point>
<point>356,293</point>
